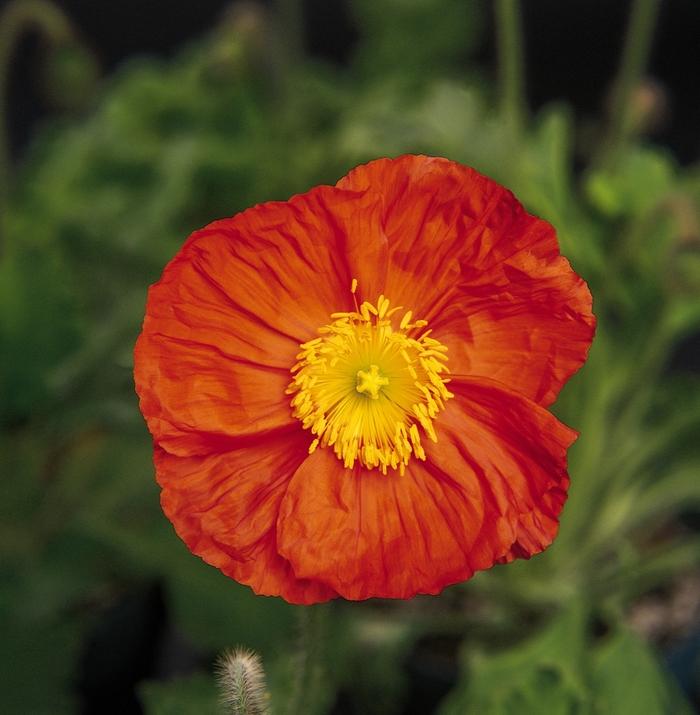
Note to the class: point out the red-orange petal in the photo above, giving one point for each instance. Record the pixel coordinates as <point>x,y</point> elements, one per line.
<point>225,507</point>
<point>224,323</point>
<point>530,331</point>
<point>484,493</point>
<point>534,496</point>
<point>466,256</point>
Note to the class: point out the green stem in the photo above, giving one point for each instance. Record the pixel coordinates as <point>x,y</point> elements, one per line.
<point>17,18</point>
<point>511,64</point>
<point>635,57</point>
<point>307,688</point>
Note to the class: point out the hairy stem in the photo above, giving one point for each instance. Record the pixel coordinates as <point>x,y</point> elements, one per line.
<point>242,682</point>
<point>307,687</point>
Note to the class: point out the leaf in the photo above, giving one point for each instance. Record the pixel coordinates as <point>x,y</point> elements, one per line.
<point>628,679</point>
<point>541,675</point>
<point>37,662</point>
<point>641,178</point>
<point>676,490</point>
<point>562,671</point>
<point>455,28</point>
<point>196,694</point>
<point>37,325</point>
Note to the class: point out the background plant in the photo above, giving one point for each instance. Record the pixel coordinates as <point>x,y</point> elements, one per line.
<point>100,204</point>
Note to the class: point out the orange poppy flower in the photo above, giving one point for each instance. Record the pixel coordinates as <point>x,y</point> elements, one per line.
<point>347,390</point>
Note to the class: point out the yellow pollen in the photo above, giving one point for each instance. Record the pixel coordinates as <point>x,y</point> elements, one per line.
<point>370,382</point>
<point>370,386</point>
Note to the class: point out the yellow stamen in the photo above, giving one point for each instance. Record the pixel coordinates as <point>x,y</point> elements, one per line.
<point>367,387</point>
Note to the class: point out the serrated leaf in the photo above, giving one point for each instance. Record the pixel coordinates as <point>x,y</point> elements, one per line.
<point>541,675</point>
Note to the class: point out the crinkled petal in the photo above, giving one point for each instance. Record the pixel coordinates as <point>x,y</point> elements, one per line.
<point>527,448</point>
<point>225,507</point>
<point>466,256</point>
<point>224,323</point>
<point>529,327</point>
<point>483,494</point>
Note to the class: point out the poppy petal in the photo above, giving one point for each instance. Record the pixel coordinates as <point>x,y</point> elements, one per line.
<point>224,507</point>
<point>534,495</point>
<point>483,494</point>
<point>423,200</point>
<point>224,323</point>
<point>528,326</point>
<point>466,256</point>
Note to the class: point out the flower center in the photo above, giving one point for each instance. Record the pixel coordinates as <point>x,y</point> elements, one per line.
<point>370,386</point>
<point>371,382</point>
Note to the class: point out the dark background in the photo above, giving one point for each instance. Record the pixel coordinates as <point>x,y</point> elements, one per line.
<point>572,49</point>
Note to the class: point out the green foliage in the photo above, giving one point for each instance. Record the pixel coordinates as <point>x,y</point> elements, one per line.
<point>391,27</point>
<point>563,670</point>
<point>185,696</point>
<point>543,674</point>
<point>38,667</point>
<point>626,678</point>
<point>102,204</point>
<point>38,327</point>
<point>639,181</point>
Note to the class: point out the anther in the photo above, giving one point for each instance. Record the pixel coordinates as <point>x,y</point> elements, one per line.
<point>354,423</point>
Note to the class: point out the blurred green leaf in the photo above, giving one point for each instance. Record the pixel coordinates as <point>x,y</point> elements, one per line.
<point>184,696</point>
<point>455,28</point>
<point>541,675</point>
<point>640,179</point>
<point>38,325</point>
<point>563,670</point>
<point>626,678</point>
<point>38,663</point>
